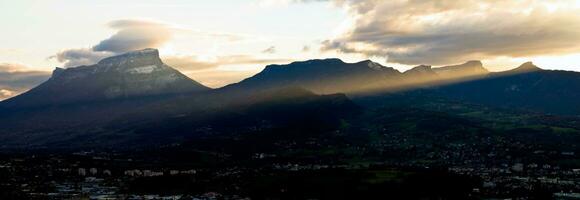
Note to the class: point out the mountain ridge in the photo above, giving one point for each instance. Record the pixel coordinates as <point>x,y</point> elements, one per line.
<point>324,76</point>
<point>74,102</point>
<point>132,78</point>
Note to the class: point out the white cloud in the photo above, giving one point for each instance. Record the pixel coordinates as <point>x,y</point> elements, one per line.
<point>134,35</point>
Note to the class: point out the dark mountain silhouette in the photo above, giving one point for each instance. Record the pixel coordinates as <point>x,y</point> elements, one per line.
<point>136,99</point>
<point>421,70</point>
<point>129,123</point>
<point>422,76</point>
<point>526,67</point>
<point>426,76</point>
<point>469,69</point>
<point>335,76</point>
<point>525,87</point>
<point>133,74</point>
<point>325,76</point>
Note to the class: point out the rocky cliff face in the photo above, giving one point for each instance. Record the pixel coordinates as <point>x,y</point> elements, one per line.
<point>138,73</point>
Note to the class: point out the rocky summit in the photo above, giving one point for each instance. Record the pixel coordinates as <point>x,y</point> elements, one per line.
<point>472,68</point>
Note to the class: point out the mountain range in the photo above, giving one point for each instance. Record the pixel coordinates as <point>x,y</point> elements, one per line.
<point>135,98</point>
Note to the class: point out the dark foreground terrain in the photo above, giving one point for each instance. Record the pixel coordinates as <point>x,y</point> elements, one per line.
<point>410,148</point>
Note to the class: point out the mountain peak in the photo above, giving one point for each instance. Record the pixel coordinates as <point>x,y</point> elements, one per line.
<point>421,73</point>
<point>473,63</point>
<point>316,62</point>
<point>57,71</point>
<point>136,73</point>
<point>527,67</point>
<point>322,76</point>
<point>423,67</point>
<point>467,69</point>
<point>139,57</point>
<point>320,61</point>
<point>420,69</point>
<point>143,61</point>
<point>372,65</point>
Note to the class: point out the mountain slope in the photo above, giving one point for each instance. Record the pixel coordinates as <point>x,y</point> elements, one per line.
<point>525,87</point>
<point>329,76</point>
<point>421,76</point>
<point>133,74</point>
<point>142,122</point>
<point>426,76</point>
<point>325,76</point>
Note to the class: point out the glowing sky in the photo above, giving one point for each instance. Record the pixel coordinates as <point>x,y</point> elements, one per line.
<point>222,41</point>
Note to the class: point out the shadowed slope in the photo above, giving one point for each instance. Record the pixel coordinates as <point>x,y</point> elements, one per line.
<point>525,87</point>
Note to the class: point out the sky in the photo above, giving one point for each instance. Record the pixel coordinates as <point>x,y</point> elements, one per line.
<point>223,41</point>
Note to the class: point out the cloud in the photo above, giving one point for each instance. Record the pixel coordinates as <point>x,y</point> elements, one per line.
<point>15,79</point>
<point>193,63</point>
<point>270,50</point>
<point>446,31</point>
<point>131,35</point>
<point>306,48</point>
<point>78,57</point>
<point>208,72</point>
<point>219,78</point>
<point>188,63</point>
<point>274,3</point>
<point>134,35</point>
